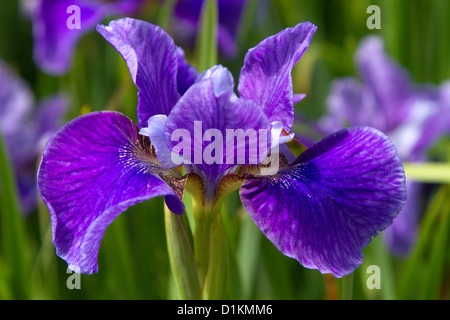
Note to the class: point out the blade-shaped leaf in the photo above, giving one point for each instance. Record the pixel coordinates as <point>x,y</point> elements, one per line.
<point>14,242</point>
<point>207,36</point>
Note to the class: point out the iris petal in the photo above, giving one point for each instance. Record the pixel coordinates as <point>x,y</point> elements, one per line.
<point>155,64</point>
<point>55,43</point>
<point>202,108</point>
<point>324,208</point>
<point>351,102</point>
<point>91,170</point>
<point>16,107</point>
<point>391,84</point>
<point>25,130</point>
<point>266,75</point>
<point>157,134</point>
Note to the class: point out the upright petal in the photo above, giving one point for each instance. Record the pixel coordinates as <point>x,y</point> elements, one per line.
<point>154,63</point>
<point>324,208</point>
<point>54,41</point>
<point>186,75</point>
<point>207,106</point>
<point>390,83</point>
<point>92,170</point>
<point>266,75</point>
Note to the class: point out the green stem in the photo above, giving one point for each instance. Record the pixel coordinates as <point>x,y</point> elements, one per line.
<point>215,283</point>
<point>205,221</point>
<point>181,256</point>
<point>428,172</point>
<point>211,251</point>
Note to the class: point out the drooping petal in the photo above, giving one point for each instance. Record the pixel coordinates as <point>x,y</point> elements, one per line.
<point>54,42</point>
<point>154,63</point>
<point>207,107</point>
<point>324,208</point>
<point>92,170</point>
<point>266,75</point>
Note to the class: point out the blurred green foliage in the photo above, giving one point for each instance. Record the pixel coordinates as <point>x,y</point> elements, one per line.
<point>133,260</point>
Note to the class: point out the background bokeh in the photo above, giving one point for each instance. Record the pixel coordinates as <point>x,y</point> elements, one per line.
<point>133,260</point>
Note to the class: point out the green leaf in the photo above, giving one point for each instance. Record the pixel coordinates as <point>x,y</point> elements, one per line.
<point>382,259</point>
<point>207,36</point>
<point>119,261</point>
<point>277,269</point>
<point>347,287</point>
<point>248,253</point>
<point>14,240</point>
<point>438,250</point>
<point>46,257</point>
<point>5,290</point>
<point>245,22</point>
<point>415,269</point>
<point>165,13</point>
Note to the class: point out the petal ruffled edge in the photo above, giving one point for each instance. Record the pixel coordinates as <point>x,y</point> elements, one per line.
<point>54,42</point>
<point>355,171</point>
<point>266,75</point>
<point>157,66</point>
<point>91,170</point>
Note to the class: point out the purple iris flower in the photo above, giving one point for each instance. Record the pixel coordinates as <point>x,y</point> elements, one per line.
<point>55,40</point>
<point>25,129</point>
<point>321,209</point>
<point>414,117</point>
<point>188,12</point>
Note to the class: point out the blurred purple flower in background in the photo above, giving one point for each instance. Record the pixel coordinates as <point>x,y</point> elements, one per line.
<point>322,209</point>
<point>25,129</point>
<point>54,42</point>
<point>187,14</point>
<point>413,116</point>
